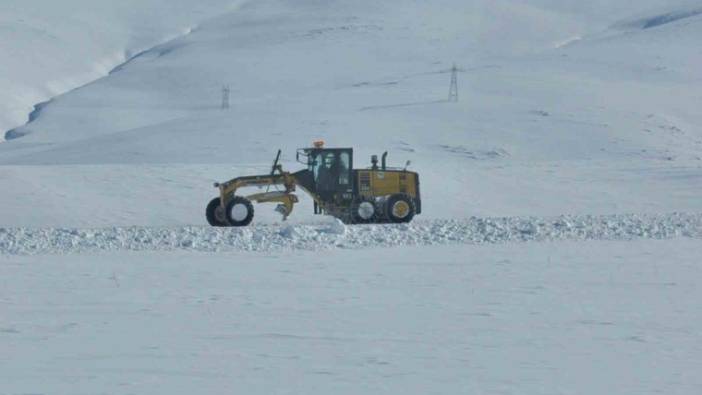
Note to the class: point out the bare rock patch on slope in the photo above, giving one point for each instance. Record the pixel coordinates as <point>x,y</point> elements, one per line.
<point>653,21</point>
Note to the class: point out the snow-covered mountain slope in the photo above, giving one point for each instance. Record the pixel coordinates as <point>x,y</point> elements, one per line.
<point>49,47</point>
<point>378,70</point>
<point>564,108</point>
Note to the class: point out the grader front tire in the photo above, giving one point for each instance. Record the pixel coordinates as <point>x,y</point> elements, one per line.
<point>215,213</point>
<point>239,211</point>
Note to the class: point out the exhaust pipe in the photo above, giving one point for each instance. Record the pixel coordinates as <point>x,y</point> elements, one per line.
<point>383,164</point>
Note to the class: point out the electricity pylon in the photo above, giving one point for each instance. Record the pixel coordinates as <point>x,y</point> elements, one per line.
<point>225,97</point>
<point>453,90</point>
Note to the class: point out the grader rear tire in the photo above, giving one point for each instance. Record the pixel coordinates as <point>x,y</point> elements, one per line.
<point>363,211</point>
<point>400,208</point>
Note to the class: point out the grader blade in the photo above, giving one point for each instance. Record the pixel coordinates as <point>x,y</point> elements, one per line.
<point>287,201</point>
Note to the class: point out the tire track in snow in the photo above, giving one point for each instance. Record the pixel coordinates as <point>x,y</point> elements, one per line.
<point>25,241</point>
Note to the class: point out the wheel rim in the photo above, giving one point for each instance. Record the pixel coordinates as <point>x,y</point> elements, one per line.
<point>400,209</point>
<point>366,210</point>
<point>239,212</point>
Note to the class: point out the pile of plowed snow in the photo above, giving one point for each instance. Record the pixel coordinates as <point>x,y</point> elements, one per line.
<point>24,241</point>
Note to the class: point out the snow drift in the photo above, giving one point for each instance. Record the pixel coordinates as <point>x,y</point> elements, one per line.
<point>23,241</point>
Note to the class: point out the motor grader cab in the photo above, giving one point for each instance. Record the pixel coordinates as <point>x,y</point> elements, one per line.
<point>377,194</point>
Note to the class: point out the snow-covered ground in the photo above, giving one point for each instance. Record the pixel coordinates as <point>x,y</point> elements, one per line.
<point>102,195</point>
<point>558,250</point>
<point>534,318</point>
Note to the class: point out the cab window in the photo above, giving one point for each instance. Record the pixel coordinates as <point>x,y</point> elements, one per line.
<point>344,167</point>
<point>315,162</point>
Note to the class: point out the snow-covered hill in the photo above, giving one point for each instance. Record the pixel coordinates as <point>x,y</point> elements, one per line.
<point>49,47</point>
<point>378,70</point>
<point>564,108</point>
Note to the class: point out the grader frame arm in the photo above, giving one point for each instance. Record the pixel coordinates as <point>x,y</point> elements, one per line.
<point>286,198</point>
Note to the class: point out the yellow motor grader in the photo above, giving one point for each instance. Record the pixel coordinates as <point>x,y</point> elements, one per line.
<point>377,194</point>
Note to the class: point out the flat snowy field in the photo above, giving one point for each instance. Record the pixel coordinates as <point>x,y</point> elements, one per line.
<point>596,317</point>
<point>559,247</point>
